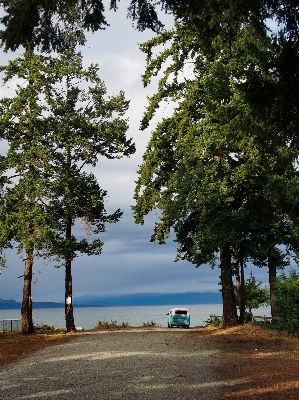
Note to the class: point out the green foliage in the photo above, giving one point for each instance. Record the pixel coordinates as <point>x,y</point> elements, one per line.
<point>49,24</point>
<point>221,169</point>
<point>59,122</point>
<point>215,322</point>
<point>287,302</point>
<point>34,22</point>
<point>255,295</point>
<point>213,167</point>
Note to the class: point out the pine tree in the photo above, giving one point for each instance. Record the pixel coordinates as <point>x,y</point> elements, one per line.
<point>55,126</point>
<point>213,166</point>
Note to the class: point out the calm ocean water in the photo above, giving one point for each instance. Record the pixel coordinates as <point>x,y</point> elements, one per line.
<point>87,317</point>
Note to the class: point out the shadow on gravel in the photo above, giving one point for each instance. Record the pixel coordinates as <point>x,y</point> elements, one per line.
<point>116,365</point>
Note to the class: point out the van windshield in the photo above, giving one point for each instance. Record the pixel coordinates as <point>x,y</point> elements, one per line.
<point>181,312</point>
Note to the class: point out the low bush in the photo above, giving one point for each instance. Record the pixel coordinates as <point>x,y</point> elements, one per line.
<point>111,325</point>
<point>287,303</point>
<point>216,322</point>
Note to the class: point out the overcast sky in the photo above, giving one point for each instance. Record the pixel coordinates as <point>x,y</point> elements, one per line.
<point>129,262</point>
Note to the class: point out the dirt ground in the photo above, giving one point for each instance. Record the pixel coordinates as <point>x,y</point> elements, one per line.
<point>251,363</point>
<point>256,363</point>
<point>15,346</point>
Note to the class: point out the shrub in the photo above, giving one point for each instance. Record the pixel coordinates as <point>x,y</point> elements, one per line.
<point>111,325</point>
<point>287,302</point>
<point>216,322</point>
<point>255,295</point>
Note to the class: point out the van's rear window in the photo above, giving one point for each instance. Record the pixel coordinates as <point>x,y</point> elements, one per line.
<point>181,312</point>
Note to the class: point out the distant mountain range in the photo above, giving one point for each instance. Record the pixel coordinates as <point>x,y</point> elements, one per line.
<point>137,299</point>
<point>150,299</point>
<point>13,305</point>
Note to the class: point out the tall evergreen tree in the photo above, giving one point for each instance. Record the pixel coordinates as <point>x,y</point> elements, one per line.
<point>55,126</point>
<point>23,217</point>
<point>211,168</point>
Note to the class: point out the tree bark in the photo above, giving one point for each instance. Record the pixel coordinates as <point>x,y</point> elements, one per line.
<point>27,321</point>
<point>69,314</point>
<point>272,280</point>
<point>240,290</point>
<point>230,317</point>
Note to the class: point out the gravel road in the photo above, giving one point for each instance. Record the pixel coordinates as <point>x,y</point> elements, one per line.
<point>126,364</point>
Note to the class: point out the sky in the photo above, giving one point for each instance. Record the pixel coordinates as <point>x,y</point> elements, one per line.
<point>129,262</point>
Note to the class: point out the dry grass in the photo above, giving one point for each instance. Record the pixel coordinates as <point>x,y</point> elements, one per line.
<point>255,363</point>
<point>111,325</point>
<point>15,346</point>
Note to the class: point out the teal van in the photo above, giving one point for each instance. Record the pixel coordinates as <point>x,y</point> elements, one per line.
<point>178,317</point>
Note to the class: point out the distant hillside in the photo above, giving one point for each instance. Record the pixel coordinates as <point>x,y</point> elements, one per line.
<point>150,299</point>
<point>9,304</point>
<point>136,299</point>
<point>15,305</point>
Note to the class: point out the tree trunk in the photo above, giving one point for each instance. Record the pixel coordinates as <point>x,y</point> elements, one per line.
<point>272,280</point>
<point>27,321</point>
<point>26,312</point>
<point>69,315</point>
<point>240,290</point>
<point>230,317</point>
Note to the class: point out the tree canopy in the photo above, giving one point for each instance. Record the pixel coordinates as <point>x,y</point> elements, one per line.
<point>43,23</point>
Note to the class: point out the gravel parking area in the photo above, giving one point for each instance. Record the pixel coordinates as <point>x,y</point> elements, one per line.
<point>126,364</point>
